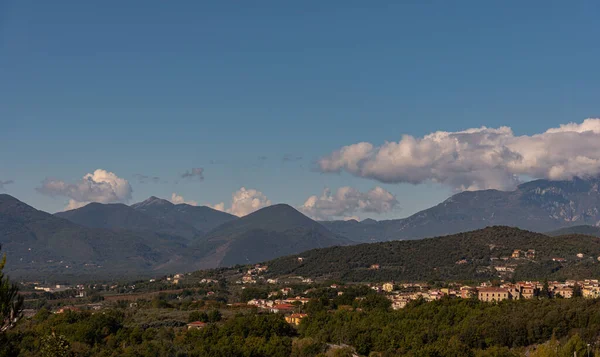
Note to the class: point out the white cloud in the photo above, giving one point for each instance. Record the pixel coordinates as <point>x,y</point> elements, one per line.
<point>347,201</point>
<point>473,159</point>
<point>244,201</point>
<point>100,186</point>
<point>177,199</point>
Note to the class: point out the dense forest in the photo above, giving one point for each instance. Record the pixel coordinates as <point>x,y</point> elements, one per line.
<point>449,327</point>
<point>436,258</point>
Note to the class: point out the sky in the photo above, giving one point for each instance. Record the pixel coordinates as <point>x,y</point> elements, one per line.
<point>343,109</point>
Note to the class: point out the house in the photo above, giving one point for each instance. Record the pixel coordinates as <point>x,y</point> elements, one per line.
<point>295,319</point>
<point>374,267</point>
<point>530,254</point>
<point>527,290</point>
<point>560,260</point>
<point>300,259</point>
<point>579,255</point>
<point>196,325</point>
<point>399,302</point>
<point>388,287</point>
<point>272,281</point>
<point>467,292</point>
<point>516,254</point>
<point>282,308</point>
<point>493,294</point>
<point>461,262</point>
<point>297,299</point>
<point>286,291</point>
<point>564,292</point>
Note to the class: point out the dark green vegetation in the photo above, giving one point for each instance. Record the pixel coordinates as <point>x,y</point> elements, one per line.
<point>436,258</point>
<point>448,327</point>
<point>11,303</point>
<point>585,229</point>
<point>539,206</point>
<point>463,328</point>
<point>118,333</point>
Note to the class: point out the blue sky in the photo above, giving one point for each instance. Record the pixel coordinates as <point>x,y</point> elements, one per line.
<point>157,88</point>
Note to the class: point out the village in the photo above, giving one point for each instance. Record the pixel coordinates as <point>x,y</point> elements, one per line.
<point>287,296</point>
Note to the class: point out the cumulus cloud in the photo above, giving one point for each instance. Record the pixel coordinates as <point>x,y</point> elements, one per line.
<point>346,202</point>
<point>195,173</point>
<point>244,201</point>
<point>4,183</point>
<point>100,186</point>
<point>177,199</point>
<point>474,159</point>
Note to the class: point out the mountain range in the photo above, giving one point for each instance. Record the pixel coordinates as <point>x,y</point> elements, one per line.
<point>151,237</point>
<point>156,236</point>
<point>539,206</point>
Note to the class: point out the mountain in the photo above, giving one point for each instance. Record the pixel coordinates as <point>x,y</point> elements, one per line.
<point>114,240</point>
<point>39,244</point>
<point>540,206</point>
<point>463,256</point>
<point>120,216</point>
<point>200,218</point>
<point>585,229</point>
<point>265,234</point>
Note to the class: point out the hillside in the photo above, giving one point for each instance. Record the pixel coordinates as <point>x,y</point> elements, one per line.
<point>120,216</point>
<point>267,233</point>
<point>39,244</point>
<point>585,229</point>
<point>200,218</point>
<point>439,258</point>
<point>538,206</point>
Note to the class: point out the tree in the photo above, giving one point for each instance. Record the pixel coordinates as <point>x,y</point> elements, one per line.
<point>11,303</point>
<point>54,346</point>
<point>214,316</point>
<point>545,292</point>
<point>577,290</point>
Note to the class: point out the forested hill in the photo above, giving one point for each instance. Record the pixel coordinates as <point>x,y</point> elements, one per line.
<point>470,255</point>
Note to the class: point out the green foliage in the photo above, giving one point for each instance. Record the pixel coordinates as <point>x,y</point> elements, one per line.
<point>307,347</point>
<point>11,303</point>
<point>458,327</point>
<point>54,346</point>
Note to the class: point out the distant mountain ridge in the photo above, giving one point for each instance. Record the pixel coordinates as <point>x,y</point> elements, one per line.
<point>39,244</point>
<point>267,233</point>
<point>201,218</point>
<point>110,240</point>
<point>540,206</point>
<point>585,230</point>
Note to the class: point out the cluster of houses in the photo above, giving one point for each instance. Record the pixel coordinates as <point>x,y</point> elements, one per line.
<point>254,275</point>
<point>79,289</point>
<point>488,293</point>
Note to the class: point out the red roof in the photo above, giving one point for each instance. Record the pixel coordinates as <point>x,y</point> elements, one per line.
<point>197,323</point>
<point>284,307</point>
